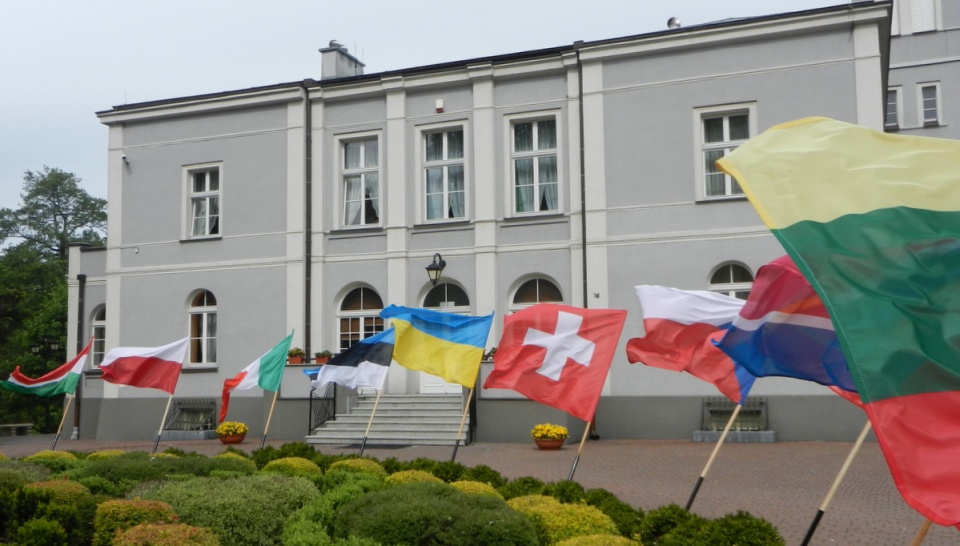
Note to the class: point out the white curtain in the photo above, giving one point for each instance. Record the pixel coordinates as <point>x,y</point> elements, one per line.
<point>548,183</point>
<point>434,193</point>
<point>456,191</point>
<point>523,173</point>
<point>353,198</point>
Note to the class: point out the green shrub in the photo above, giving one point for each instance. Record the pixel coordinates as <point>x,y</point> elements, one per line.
<point>240,511</point>
<point>420,463</point>
<point>105,454</point>
<point>741,529</point>
<point>475,488</point>
<point>42,532</point>
<point>170,534</point>
<point>266,454</point>
<point>556,521</point>
<point>69,504</point>
<point>134,467</point>
<point>116,515</point>
<point>56,461</point>
<point>392,465</point>
<point>293,466</point>
<point>411,476</point>
<point>597,540</point>
<point>15,471</point>
<point>432,513</point>
<point>662,521</point>
<point>629,520</point>
<point>448,471</point>
<point>102,486</point>
<point>565,491</point>
<point>521,487</point>
<point>485,474</point>
<point>367,466</point>
<point>61,491</point>
<point>4,457</point>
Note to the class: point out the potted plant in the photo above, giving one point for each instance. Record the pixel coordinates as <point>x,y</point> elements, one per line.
<point>295,355</point>
<point>232,432</point>
<point>549,436</point>
<point>322,357</point>
<point>489,354</point>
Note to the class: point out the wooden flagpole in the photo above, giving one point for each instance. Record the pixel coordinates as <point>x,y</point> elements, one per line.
<point>922,532</point>
<point>162,421</point>
<point>370,422</point>
<point>583,440</point>
<point>66,408</point>
<point>836,484</point>
<point>266,427</point>
<point>716,449</point>
<point>463,419</point>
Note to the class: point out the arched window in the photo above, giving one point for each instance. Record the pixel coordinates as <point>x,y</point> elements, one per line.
<point>99,332</point>
<point>203,328</point>
<point>732,280</point>
<point>359,316</point>
<point>537,290</point>
<point>447,297</point>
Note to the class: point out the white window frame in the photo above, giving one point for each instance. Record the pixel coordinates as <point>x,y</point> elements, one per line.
<point>201,315</point>
<point>340,147</point>
<point>447,306</point>
<point>423,164</point>
<point>514,306</point>
<point>731,288</point>
<point>700,147</point>
<point>369,320</point>
<point>536,153</point>
<point>190,196</point>
<point>98,331</point>
<point>897,104</point>
<point>924,16</point>
<point>937,120</point>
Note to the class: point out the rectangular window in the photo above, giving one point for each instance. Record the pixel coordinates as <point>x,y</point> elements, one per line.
<point>361,182</point>
<point>929,104</point>
<point>720,131</point>
<point>923,15</point>
<point>204,192</point>
<point>443,175</point>
<point>535,179</point>
<point>891,120</point>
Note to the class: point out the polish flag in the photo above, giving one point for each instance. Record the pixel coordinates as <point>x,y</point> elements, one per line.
<point>145,367</point>
<point>557,355</point>
<point>681,327</point>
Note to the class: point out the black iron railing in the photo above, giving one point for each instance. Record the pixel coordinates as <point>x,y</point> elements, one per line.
<point>323,406</point>
<point>717,412</point>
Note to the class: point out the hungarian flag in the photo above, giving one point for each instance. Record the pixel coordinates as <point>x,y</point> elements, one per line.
<point>873,222</point>
<point>364,364</point>
<point>784,330</point>
<point>557,355</point>
<point>145,367</point>
<point>264,372</point>
<point>680,328</point>
<point>62,380</point>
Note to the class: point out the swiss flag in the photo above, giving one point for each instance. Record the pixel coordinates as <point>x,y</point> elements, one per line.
<point>557,355</point>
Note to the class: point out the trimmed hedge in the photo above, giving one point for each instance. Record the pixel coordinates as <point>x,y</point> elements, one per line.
<point>293,466</point>
<point>170,534</point>
<point>476,488</point>
<point>117,515</point>
<point>366,466</point>
<point>411,476</point>
<point>556,521</point>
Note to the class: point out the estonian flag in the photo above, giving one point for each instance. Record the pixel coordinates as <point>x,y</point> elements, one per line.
<point>365,364</point>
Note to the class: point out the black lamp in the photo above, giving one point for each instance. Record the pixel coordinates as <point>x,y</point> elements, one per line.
<point>435,269</point>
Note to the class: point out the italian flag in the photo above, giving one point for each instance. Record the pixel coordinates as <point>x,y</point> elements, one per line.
<point>873,222</point>
<point>62,380</point>
<point>264,372</point>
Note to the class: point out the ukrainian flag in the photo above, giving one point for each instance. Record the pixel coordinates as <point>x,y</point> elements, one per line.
<point>442,344</point>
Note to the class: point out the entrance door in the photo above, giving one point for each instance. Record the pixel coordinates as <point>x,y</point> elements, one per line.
<point>431,384</point>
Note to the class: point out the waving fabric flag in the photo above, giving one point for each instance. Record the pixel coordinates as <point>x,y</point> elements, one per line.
<point>873,222</point>
<point>145,367</point>
<point>681,327</point>
<point>364,364</point>
<point>265,372</point>
<point>784,329</point>
<point>443,344</point>
<point>557,355</point>
<point>62,380</point>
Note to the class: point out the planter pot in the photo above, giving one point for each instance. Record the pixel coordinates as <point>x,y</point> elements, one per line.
<point>549,444</point>
<point>322,359</point>
<point>294,360</point>
<point>233,438</point>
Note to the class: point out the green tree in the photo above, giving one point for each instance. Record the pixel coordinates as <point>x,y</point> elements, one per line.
<point>33,286</point>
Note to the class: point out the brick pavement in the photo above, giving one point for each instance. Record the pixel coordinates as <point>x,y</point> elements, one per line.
<point>783,482</point>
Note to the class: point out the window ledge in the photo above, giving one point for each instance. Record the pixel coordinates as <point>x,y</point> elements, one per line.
<point>546,218</point>
<point>346,233</point>
<point>442,226</point>
<point>202,239</point>
<point>722,199</point>
<point>200,368</point>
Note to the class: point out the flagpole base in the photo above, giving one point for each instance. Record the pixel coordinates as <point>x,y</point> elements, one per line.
<point>75,435</point>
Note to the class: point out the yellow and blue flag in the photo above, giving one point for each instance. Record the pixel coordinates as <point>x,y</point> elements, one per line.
<point>442,344</point>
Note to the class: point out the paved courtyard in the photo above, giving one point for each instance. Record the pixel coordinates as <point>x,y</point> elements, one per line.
<point>784,482</point>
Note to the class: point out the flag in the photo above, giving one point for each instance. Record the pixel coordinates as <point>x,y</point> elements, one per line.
<point>557,355</point>
<point>364,364</point>
<point>443,344</point>
<point>681,327</point>
<point>264,372</point>
<point>784,329</point>
<point>62,380</point>
<point>145,367</point>
<point>873,222</point>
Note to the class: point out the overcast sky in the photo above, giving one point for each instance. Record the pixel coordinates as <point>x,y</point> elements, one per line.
<point>61,61</point>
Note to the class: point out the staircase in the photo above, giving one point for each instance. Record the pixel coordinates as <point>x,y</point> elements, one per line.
<point>401,419</point>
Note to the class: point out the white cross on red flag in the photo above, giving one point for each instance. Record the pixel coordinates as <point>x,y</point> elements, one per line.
<point>557,355</point>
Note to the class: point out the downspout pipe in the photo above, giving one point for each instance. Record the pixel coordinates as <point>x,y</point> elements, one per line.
<point>307,212</point>
<point>583,173</point>
<point>81,297</point>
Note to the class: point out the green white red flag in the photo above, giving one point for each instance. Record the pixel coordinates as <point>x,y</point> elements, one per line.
<point>873,222</point>
<point>62,380</point>
<point>265,372</point>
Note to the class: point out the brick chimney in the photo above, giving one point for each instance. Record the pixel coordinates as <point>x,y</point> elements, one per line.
<point>336,62</point>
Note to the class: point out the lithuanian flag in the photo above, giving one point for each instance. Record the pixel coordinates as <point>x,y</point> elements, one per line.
<point>873,222</point>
